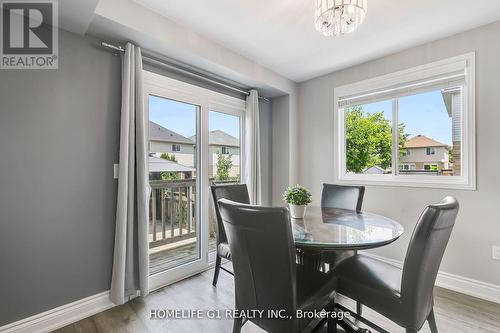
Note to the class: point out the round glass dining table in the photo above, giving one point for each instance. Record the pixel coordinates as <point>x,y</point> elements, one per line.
<point>340,229</point>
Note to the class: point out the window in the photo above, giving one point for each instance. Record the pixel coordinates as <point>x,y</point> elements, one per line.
<point>408,166</point>
<point>431,167</point>
<point>225,150</point>
<point>176,147</point>
<point>415,127</point>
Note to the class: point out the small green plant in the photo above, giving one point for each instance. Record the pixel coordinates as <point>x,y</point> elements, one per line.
<point>169,175</point>
<point>297,195</point>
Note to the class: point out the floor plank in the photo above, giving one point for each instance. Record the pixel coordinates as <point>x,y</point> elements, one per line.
<point>455,313</point>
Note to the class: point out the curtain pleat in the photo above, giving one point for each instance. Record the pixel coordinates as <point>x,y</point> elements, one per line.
<point>130,259</point>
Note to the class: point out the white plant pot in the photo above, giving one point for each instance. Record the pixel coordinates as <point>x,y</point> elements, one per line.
<point>298,211</point>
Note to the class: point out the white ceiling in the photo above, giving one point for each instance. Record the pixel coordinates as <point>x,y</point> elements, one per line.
<point>279,34</point>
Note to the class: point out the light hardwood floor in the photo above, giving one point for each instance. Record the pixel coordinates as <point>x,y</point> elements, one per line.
<point>455,312</point>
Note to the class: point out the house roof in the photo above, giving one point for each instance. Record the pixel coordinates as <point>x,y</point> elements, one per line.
<point>161,165</point>
<point>375,169</point>
<point>221,138</point>
<point>421,141</point>
<point>160,133</point>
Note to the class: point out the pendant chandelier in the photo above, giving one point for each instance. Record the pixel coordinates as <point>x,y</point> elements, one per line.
<point>338,17</point>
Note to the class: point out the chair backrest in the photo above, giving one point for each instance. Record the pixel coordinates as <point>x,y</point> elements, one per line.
<point>235,192</point>
<point>423,258</point>
<point>263,257</point>
<point>342,196</point>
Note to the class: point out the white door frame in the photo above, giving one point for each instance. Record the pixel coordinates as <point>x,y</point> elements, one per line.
<point>206,100</point>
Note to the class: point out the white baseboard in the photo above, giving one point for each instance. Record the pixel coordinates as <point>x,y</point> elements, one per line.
<point>61,316</point>
<point>471,287</point>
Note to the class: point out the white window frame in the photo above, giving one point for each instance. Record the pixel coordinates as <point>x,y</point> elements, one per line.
<point>224,150</point>
<point>177,147</point>
<point>467,179</point>
<point>207,100</point>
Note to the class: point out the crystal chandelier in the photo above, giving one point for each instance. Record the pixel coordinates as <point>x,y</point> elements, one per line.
<point>338,17</point>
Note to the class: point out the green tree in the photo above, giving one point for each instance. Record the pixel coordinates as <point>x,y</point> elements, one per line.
<point>168,157</point>
<point>169,175</point>
<point>369,140</point>
<point>224,164</point>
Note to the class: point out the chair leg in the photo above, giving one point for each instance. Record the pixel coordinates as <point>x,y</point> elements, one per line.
<point>432,322</point>
<point>331,324</point>
<point>359,308</point>
<point>218,261</point>
<point>237,324</point>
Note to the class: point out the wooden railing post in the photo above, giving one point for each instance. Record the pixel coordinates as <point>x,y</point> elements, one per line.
<point>189,207</point>
<point>180,207</point>
<point>153,212</point>
<point>163,195</point>
<point>171,206</point>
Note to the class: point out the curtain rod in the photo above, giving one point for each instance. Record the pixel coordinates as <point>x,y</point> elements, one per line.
<point>182,70</point>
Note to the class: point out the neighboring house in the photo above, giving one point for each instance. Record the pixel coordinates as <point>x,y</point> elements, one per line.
<point>220,141</point>
<point>424,154</point>
<point>163,140</point>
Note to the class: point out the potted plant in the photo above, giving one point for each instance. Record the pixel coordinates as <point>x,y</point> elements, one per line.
<point>297,198</point>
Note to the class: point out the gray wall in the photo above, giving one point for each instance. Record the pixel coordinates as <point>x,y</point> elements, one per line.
<point>280,107</point>
<point>58,142</point>
<point>478,225</point>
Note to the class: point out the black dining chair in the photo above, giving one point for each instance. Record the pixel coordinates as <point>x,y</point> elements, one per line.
<point>235,192</point>
<point>266,275</point>
<point>404,296</point>
<point>342,197</point>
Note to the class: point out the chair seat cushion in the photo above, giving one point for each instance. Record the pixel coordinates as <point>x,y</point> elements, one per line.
<point>224,251</point>
<point>371,282</point>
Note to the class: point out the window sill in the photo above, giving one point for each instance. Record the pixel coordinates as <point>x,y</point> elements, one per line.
<point>460,183</point>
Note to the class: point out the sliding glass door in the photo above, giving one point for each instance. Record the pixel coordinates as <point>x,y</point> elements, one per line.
<point>194,141</point>
<point>225,166</point>
<point>173,233</point>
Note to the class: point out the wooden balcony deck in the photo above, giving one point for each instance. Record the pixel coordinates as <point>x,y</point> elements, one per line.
<point>175,254</point>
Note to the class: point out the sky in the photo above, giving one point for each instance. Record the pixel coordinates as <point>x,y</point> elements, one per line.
<point>181,117</point>
<point>422,114</point>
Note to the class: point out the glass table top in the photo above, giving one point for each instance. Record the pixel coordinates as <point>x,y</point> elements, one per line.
<point>331,228</point>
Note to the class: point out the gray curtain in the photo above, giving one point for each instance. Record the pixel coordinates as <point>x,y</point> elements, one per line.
<point>130,260</point>
<point>252,149</point>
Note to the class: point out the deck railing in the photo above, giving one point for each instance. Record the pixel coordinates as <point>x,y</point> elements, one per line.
<point>172,211</point>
